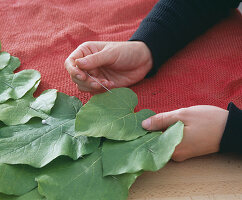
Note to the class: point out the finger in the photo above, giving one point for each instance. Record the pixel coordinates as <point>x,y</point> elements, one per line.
<point>87,48</point>
<point>91,85</point>
<point>83,89</point>
<point>85,84</point>
<point>97,81</point>
<point>73,70</point>
<point>83,50</point>
<point>103,84</point>
<point>99,59</point>
<point>93,89</point>
<point>161,121</point>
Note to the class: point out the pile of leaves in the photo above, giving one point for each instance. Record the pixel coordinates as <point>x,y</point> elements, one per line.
<point>52,147</point>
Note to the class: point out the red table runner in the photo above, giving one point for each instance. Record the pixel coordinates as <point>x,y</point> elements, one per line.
<point>43,33</point>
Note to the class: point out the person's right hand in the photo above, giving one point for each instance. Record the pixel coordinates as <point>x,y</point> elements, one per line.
<point>114,64</point>
<point>203,130</point>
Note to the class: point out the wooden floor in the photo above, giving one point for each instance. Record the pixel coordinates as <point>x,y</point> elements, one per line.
<point>213,177</point>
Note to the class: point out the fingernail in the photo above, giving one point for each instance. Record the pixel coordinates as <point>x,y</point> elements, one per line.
<point>82,61</point>
<point>79,77</point>
<point>146,123</point>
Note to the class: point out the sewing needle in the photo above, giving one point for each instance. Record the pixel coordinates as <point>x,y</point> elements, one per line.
<point>98,82</point>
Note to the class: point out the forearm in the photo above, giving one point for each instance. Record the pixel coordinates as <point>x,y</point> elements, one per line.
<point>172,24</point>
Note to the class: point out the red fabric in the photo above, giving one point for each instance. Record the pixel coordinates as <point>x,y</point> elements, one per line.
<point>43,33</point>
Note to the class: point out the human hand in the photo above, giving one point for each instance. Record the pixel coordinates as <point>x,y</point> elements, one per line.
<point>114,64</point>
<point>203,130</point>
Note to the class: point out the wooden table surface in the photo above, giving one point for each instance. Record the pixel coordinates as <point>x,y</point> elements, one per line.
<point>212,177</point>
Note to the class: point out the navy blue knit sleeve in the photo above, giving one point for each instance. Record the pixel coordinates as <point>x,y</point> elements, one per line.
<point>171,24</point>
<point>232,136</point>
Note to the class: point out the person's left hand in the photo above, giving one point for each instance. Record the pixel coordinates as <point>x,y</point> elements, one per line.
<point>114,64</point>
<point>203,130</point>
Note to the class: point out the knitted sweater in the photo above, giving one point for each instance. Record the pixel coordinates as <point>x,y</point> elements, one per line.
<point>170,25</point>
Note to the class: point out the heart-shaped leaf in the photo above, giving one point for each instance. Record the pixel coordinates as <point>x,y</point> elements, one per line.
<point>149,153</point>
<point>20,111</point>
<point>37,143</point>
<point>15,86</point>
<point>83,179</point>
<point>112,115</point>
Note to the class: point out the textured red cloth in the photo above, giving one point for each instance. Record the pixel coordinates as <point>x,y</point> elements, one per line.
<point>43,33</point>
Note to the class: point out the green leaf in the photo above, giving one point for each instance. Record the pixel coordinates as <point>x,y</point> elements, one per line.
<point>20,111</point>
<point>111,115</point>
<point>13,64</point>
<point>83,179</point>
<point>4,59</point>
<point>7,197</point>
<point>37,144</point>
<point>15,86</point>
<point>32,195</point>
<point>17,179</point>
<point>150,152</point>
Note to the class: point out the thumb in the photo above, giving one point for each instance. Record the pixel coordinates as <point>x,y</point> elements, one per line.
<point>96,60</point>
<point>160,121</point>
